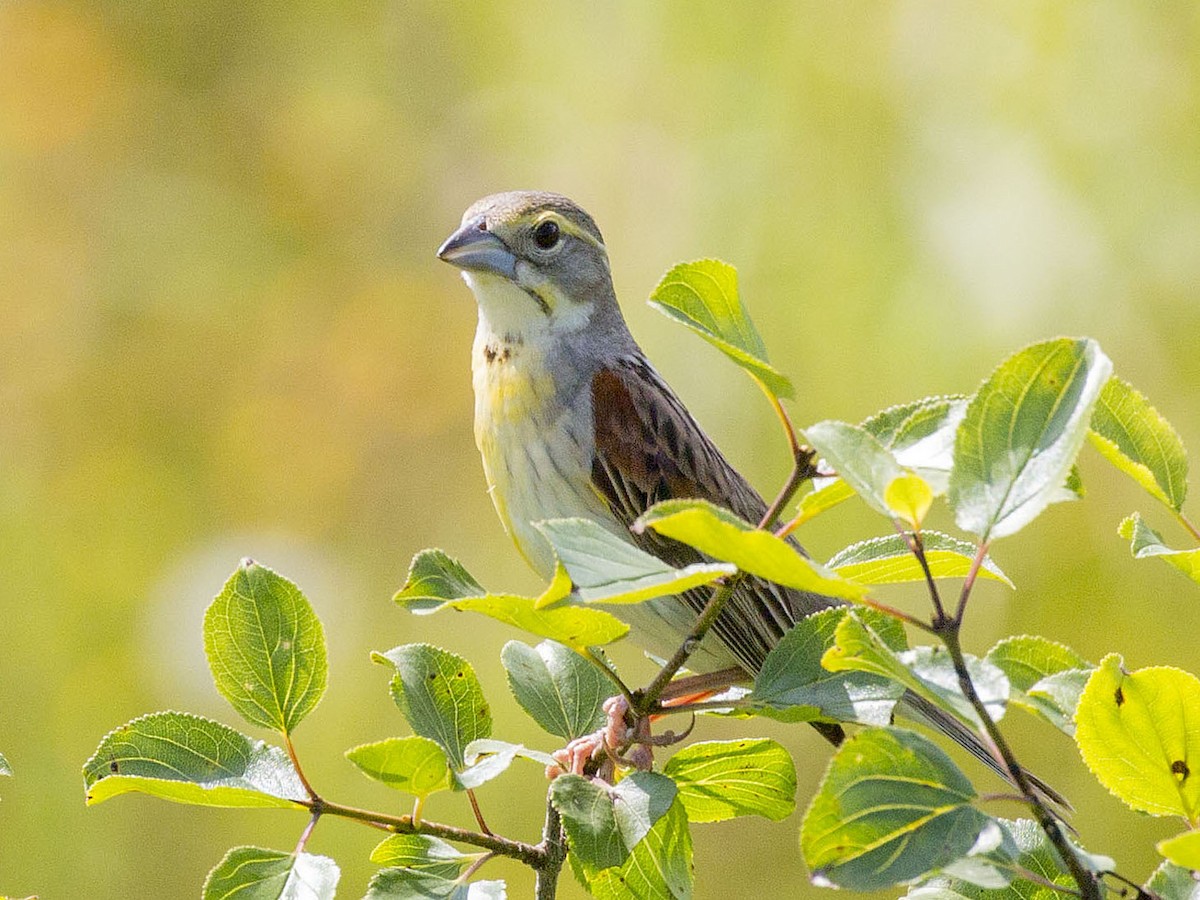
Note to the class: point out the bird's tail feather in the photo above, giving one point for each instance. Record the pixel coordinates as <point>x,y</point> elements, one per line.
<point>920,709</point>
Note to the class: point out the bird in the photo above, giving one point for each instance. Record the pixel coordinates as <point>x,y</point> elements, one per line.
<point>572,420</point>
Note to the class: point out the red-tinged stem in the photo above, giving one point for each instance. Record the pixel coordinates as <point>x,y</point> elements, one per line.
<point>291,752</point>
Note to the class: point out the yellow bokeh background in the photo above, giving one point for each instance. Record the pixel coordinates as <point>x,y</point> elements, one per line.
<point>223,333</point>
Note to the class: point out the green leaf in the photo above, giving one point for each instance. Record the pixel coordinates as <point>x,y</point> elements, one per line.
<point>1183,849</point>
<point>892,807</point>
<point>606,569</point>
<point>1139,733</point>
<point>719,533</point>
<point>1172,882</point>
<point>888,560</point>
<point>1025,849</point>
<point>1046,677</point>
<point>413,884</point>
<point>436,582</point>
<point>188,759</point>
<point>658,868</point>
<point>433,578</point>
<point>563,692</point>
<point>266,648</point>
<point>859,459</point>
<point>1131,434</point>
<point>252,873</point>
<point>909,497</point>
<point>825,495</point>
<point>920,435</point>
<point>486,759</point>
<point>605,822</point>
<point>5,768</point>
<point>575,626</point>
<point>719,780</point>
<point>439,695</point>
<point>1021,434</point>
<point>424,853</point>
<point>1145,542</point>
<point>927,671</point>
<point>413,764</point>
<point>703,295</point>
<point>792,674</point>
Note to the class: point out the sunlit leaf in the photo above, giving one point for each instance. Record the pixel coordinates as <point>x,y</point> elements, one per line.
<point>920,435</point>
<point>422,852</point>
<point>487,759</point>
<point>439,695</point>
<point>1172,882</point>
<point>562,691</point>
<point>1131,434</point>
<point>188,759</point>
<point>5,768</point>
<point>1145,542</point>
<point>892,807</point>
<point>927,671</point>
<point>888,560</point>
<point>1021,434</point>
<point>436,582</point>
<point>909,497</point>
<point>1139,733</point>
<point>859,459</point>
<point>575,626</point>
<point>266,648</point>
<point>252,873</point>
<point>413,764</point>
<point>415,884</point>
<point>703,295</point>
<point>720,780</point>
<point>1183,849</point>
<point>1046,677</point>
<point>605,569</point>
<point>719,533</point>
<point>825,495</point>
<point>433,578</point>
<point>792,674</point>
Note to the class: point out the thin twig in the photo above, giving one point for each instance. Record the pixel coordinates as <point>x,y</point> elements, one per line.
<point>916,545</point>
<point>602,664</point>
<point>291,752</point>
<point>478,813</point>
<point>1089,889</point>
<point>554,853</point>
<point>898,614</point>
<point>307,832</point>
<point>474,867</point>
<point>969,583</point>
<point>802,470</point>
<point>527,853</point>
<point>784,419</point>
<point>1187,523</point>
<point>646,699</point>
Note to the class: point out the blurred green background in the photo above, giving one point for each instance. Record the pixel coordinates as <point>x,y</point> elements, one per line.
<point>223,333</point>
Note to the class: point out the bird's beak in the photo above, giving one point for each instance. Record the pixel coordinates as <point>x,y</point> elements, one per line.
<point>476,249</point>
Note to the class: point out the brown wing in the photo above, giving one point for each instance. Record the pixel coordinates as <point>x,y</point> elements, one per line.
<point>648,449</point>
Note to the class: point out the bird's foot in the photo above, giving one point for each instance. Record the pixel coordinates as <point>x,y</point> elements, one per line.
<point>625,740</point>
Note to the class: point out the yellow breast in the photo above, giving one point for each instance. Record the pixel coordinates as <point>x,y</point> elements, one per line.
<point>536,447</point>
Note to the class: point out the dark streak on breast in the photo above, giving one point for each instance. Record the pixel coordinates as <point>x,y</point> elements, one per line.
<point>541,302</point>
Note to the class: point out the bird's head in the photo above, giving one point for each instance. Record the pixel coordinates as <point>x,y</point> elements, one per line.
<point>534,261</point>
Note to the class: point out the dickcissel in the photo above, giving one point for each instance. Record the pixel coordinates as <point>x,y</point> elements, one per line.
<point>571,419</point>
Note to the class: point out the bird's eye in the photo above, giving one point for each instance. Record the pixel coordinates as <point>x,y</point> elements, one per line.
<point>546,234</point>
